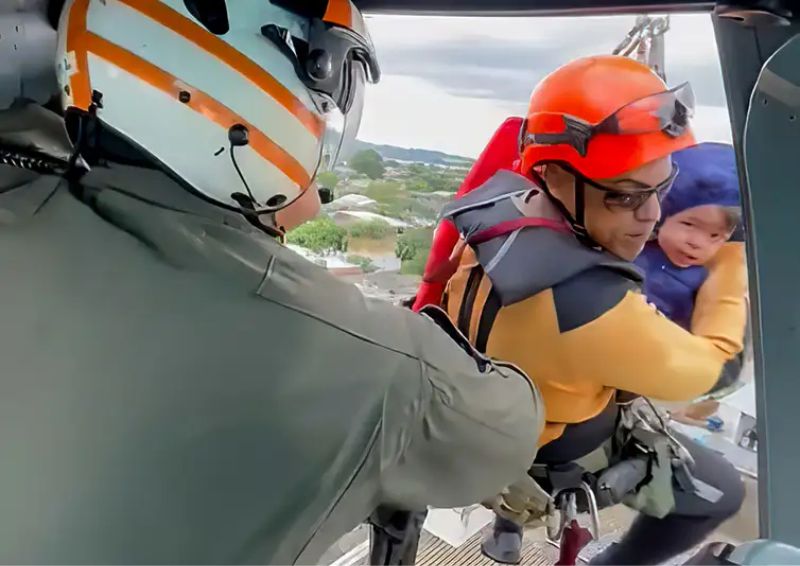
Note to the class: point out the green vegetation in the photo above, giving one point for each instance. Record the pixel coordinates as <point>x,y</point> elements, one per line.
<point>418,185</point>
<point>328,179</point>
<point>392,198</point>
<point>370,229</point>
<point>415,155</point>
<point>396,201</point>
<point>368,162</point>
<point>320,236</point>
<point>444,182</point>
<point>413,247</point>
<point>419,169</point>
<point>428,178</point>
<point>364,263</point>
<point>414,266</point>
<point>386,191</point>
<point>411,192</point>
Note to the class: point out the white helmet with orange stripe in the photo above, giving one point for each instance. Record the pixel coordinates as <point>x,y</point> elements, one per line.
<point>245,100</point>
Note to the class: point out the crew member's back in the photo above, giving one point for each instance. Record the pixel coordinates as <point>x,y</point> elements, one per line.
<point>180,388</point>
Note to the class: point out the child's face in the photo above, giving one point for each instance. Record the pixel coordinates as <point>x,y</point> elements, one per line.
<point>693,236</point>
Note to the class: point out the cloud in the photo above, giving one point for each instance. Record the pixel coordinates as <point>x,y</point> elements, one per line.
<point>503,58</point>
<point>448,82</point>
<point>712,123</point>
<point>411,112</point>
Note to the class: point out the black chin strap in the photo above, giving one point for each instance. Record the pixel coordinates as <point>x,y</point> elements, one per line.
<point>580,206</point>
<point>578,222</point>
<point>579,225</point>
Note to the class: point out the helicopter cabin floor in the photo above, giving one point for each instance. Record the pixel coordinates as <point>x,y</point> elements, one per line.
<point>613,523</point>
<point>536,550</point>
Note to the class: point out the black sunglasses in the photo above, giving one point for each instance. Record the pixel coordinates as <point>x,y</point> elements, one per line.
<point>614,199</point>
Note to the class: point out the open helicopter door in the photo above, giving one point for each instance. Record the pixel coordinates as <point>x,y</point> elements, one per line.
<point>771,146</point>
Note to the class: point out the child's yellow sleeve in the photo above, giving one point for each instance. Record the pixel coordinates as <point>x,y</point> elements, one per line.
<point>720,309</point>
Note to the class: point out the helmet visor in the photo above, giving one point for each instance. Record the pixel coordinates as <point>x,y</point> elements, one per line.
<point>669,112</point>
<point>340,51</point>
<point>324,61</point>
<point>341,127</point>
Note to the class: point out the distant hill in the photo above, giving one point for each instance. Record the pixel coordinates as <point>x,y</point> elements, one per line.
<point>413,154</point>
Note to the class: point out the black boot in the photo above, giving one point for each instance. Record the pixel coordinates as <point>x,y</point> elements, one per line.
<point>504,544</point>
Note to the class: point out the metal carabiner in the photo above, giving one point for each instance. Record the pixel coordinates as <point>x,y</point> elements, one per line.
<point>594,514</point>
<point>568,511</point>
<point>632,39</point>
<point>658,26</point>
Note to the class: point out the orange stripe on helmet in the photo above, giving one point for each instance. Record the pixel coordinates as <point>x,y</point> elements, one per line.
<point>339,12</point>
<point>179,24</point>
<point>79,85</point>
<point>199,102</point>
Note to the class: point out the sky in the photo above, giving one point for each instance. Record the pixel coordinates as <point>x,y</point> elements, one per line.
<point>448,82</point>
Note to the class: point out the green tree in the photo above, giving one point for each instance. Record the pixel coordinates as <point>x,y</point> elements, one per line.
<point>369,162</point>
<point>417,169</point>
<point>320,236</point>
<point>412,248</point>
<point>418,185</point>
<point>328,179</point>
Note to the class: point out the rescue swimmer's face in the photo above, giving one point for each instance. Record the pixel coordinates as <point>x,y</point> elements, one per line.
<point>618,228</point>
<point>694,236</point>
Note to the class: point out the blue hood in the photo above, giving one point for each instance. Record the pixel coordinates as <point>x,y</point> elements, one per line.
<point>707,175</point>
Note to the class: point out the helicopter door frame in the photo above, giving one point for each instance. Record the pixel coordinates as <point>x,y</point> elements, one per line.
<point>744,51</point>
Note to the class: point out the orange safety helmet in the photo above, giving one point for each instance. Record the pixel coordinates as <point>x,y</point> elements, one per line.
<point>603,116</point>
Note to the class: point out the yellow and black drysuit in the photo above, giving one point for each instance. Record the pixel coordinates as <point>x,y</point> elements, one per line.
<point>574,319</point>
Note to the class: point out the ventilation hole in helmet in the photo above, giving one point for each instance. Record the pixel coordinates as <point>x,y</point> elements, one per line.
<point>212,14</point>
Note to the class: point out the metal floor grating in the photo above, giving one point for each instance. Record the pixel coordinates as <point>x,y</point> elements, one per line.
<point>434,551</point>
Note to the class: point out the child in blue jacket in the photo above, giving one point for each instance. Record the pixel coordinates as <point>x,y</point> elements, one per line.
<point>700,224</point>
